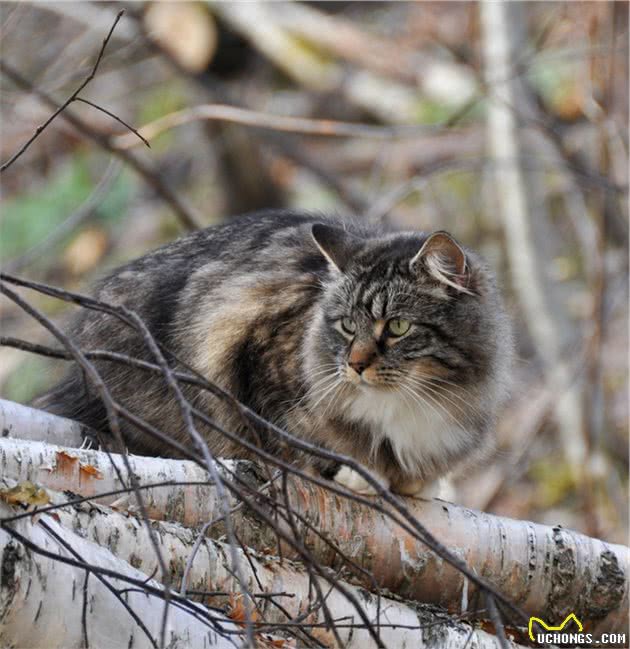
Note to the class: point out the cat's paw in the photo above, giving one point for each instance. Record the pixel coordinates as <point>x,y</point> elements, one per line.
<point>428,491</point>
<point>441,488</point>
<point>350,479</point>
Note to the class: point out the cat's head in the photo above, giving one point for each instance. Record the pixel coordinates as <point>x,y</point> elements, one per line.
<point>407,312</point>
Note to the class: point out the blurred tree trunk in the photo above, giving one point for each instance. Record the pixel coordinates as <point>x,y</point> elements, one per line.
<point>503,33</point>
<point>246,182</point>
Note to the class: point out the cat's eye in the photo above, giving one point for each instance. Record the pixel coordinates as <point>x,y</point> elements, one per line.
<point>348,326</point>
<point>398,327</point>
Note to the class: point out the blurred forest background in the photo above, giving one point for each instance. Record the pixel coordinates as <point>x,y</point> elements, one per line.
<point>512,135</point>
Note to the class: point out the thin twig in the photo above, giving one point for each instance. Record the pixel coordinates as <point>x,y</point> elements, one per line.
<point>39,130</point>
<point>284,123</point>
<point>188,218</point>
<point>118,119</point>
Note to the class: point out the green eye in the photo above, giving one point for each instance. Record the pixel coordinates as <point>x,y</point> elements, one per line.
<point>348,326</point>
<point>398,327</point>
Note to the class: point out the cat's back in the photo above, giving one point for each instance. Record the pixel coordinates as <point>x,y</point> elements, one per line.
<point>242,250</point>
<point>242,241</point>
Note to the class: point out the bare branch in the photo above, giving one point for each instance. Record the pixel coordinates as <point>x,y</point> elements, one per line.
<point>40,129</point>
<point>188,218</point>
<point>285,123</point>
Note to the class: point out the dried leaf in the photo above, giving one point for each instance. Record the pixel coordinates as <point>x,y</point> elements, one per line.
<point>236,610</point>
<point>25,493</point>
<point>85,251</point>
<point>186,30</point>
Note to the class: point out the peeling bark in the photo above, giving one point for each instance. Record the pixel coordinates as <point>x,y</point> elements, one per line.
<point>88,472</point>
<point>542,569</point>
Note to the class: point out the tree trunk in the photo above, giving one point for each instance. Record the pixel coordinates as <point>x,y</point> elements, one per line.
<point>503,30</point>
<point>211,571</point>
<point>47,603</point>
<point>543,569</point>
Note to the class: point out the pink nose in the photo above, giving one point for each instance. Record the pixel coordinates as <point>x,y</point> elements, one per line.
<point>358,366</point>
<point>361,356</point>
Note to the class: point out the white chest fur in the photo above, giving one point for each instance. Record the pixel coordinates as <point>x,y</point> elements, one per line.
<point>420,433</point>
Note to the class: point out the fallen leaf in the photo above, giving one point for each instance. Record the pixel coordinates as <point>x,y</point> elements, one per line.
<point>186,30</point>
<point>25,493</point>
<point>236,610</point>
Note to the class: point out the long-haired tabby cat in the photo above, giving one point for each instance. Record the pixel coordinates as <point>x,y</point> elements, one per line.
<point>390,347</point>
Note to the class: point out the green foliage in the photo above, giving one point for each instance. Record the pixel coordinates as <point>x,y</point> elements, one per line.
<point>554,481</point>
<point>30,379</point>
<point>114,204</point>
<point>27,219</point>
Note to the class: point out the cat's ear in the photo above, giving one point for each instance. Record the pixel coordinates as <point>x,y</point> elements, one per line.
<point>444,259</point>
<point>337,245</point>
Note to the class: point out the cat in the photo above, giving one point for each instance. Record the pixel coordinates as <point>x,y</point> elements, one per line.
<point>391,347</point>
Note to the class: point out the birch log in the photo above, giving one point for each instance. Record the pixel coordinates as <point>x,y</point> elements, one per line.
<point>211,570</point>
<point>89,472</point>
<point>541,568</point>
<point>23,422</point>
<point>42,600</point>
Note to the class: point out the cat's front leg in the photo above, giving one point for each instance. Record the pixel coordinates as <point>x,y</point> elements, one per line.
<point>352,480</point>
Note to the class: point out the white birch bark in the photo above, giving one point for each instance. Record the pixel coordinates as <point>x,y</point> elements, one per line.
<point>88,472</point>
<point>211,570</point>
<point>23,422</point>
<point>540,568</point>
<point>42,599</point>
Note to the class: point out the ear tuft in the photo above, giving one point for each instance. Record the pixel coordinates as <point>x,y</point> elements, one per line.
<point>443,258</point>
<point>335,244</point>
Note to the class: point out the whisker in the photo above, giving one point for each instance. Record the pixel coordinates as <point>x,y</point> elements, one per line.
<point>426,384</point>
<point>318,385</point>
<point>439,379</point>
<point>443,409</point>
<point>445,393</point>
<point>421,401</point>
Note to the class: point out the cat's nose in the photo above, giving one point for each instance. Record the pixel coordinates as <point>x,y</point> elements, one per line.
<point>361,357</point>
<point>358,366</point>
